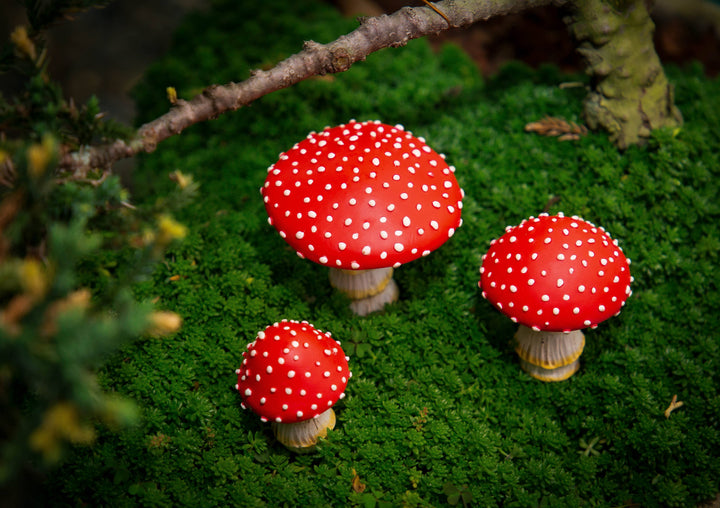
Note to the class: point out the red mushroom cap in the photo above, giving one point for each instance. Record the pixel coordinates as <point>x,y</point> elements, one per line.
<point>556,273</point>
<point>292,372</point>
<point>361,196</point>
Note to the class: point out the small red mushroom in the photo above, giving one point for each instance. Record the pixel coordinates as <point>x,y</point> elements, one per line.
<point>555,275</point>
<point>363,198</point>
<point>291,375</point>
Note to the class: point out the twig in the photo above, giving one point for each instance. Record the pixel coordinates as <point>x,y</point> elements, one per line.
<point>373,34</point>
<point>95,182</point>
<point>674,404</point>
<point>7,173</point>
<point>554,200</point>
<point>440,13</point>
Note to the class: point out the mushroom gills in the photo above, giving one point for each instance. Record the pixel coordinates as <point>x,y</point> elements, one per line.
<point>369,290</point>
<point>301,437</point>
<point>549,350</point>
<point>549,356</point>
<point>365,306</point>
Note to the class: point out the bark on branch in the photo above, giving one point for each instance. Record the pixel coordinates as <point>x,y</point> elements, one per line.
<point>630,94</point>
<point>373,34</point>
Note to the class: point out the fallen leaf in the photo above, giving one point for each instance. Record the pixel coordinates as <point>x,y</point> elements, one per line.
<point>357,485</point>
<point>558,127</point>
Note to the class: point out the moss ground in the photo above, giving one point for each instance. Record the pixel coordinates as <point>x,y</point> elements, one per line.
<point>438,410</point>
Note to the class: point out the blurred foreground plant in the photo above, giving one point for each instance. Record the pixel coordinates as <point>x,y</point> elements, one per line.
<point>59,321</point>
<point>54,332</point>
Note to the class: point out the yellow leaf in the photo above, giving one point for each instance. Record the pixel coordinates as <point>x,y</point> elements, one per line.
<point>357,485</point>
<point>164,322</point>
<point>40,155</point>
<point>169,229</point>
<point>182,179</point>
<point>60,423</point>
<point>171,94</point>
<point>33,278</point>
<point>22,42</point>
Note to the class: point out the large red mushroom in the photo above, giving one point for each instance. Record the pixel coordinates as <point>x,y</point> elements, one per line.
<point>363,198</point>
<point>555,275</point>
<point>291,375</point>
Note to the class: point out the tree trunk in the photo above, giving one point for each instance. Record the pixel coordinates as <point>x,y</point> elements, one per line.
<point>630,94</point>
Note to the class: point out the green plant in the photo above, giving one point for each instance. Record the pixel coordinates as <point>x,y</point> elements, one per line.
<point>592,447</point>
<point>456,495</point>
<point>64,305</point>
<point>53,331</point>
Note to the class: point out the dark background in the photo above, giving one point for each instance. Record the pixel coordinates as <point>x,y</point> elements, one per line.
<point>105,51</point>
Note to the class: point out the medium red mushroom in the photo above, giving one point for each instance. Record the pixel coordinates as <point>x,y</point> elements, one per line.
<point>554,275</point>
<point>291,375</point>
<point>363,198</point>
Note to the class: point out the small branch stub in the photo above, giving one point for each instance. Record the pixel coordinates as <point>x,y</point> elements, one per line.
<point>674,404</point>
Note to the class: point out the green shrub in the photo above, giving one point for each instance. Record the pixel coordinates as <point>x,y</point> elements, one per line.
<point>65,304</point>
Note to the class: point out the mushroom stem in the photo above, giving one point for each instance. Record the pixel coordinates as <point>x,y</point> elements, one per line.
<point>549,356</point>
<point>301,437</point>
<point>558,374</point>
<point>369,290</point>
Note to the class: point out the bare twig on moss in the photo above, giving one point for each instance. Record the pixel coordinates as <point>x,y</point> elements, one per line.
<point>674,404</point>
<point>373,34</point>
<point>552,201</point>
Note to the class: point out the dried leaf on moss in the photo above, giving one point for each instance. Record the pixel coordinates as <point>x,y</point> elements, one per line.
<point>557,127</point>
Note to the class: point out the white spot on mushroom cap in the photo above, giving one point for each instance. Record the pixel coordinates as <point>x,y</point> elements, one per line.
<point>402,193</point>
<point>562,282</point>
<point>270,396</point>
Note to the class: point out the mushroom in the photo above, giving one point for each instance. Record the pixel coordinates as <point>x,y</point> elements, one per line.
<point>291,375</point>
<point>554,275</point>
<point>363,198</point>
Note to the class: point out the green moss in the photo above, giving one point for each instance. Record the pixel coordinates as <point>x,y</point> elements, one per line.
<point>437,404</point>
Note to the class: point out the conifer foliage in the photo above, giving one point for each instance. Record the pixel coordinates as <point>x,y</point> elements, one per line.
<point>61,313</point>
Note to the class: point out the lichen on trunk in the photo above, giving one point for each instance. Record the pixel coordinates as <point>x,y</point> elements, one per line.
<point>630,94</point>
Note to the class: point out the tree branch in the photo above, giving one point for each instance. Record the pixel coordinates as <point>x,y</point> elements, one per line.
<point>373,34</point>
